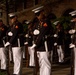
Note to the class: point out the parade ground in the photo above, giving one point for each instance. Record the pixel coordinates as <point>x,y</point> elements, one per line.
<point>57,69</point>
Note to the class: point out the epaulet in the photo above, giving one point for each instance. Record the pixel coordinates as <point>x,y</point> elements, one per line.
<point>45,24</point>
<point>16,26</point>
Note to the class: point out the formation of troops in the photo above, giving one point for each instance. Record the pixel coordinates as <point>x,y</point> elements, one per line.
<point>42,40</point>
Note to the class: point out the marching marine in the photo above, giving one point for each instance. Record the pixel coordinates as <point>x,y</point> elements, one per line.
<point>41,35</point>
<point>25,27</point>
<point>72,32</point>
<point>16,40</point>
<point>3,51</point>
<point>59,35</point>
<point>29,42</point>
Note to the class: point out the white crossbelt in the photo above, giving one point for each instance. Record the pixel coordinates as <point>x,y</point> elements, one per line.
<point>3,42</point>
<point>18,42</point>
<point>46,47</point>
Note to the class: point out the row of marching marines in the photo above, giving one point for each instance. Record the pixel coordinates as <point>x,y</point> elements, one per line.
<point>42,39</point>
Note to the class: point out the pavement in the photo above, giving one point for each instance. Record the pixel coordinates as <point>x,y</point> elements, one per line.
<point>57,69</point>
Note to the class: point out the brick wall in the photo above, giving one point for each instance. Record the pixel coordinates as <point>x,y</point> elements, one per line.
<point>58,8</point>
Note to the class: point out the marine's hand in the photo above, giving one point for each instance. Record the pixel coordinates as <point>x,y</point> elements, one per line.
<point>7,44</point>
<point>33,46</point>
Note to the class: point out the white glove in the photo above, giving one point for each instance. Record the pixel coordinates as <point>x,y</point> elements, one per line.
<point>55,35</point>
<point>71,45</point>
<point>25,43</point>
<point>55,44</point>
<point>10,34</point>
<point>72,20</point>
<point>26,35</point>
<point>71,36</point>
<point>72,31</point>
<point>36,32</point>
<point>7,44</point>
<point>33,46</point>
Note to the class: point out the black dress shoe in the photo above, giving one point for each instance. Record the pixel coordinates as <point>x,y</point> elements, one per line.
<point>61,63</point>
<point>31,66</point>
<point>11,62</point>
<point>3,70</point>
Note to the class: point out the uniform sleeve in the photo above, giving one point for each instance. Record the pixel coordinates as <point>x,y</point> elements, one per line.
<point>43,31</point>
<point>15,33</point>
<point>3,32</point>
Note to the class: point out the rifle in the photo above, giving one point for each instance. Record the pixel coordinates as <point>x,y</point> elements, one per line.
<point>72,56</point>
<point>27,56</point>
<point>8,61</point>
<point>73,41</point>
<point>36,69</point>
<point>55,47</point>
<point>59,33</point>
<point>7,56</point>
<point>72,61</point>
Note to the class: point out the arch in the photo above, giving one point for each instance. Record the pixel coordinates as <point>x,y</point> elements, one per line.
<point>51,16</point>
<point>67,11</point>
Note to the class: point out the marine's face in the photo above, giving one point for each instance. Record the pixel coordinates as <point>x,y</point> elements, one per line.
<point>41,16</point>
<point>13,19</point>
<point>1,24</point>
<point>73,20</point>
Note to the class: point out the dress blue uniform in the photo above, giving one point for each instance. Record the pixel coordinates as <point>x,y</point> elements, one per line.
<point>29,41</point>
<point>3,50</point>
<point>41,32</point>
<point>16,40</point>
<point>59,31</point>
<point>25,26</point>
<point>72,32</point>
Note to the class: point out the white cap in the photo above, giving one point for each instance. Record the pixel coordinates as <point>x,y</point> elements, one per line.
<point>36,10</point>
<point>56,22</point>
<point>27,22</point>
<point>73,13</point>
<point>12,15</point>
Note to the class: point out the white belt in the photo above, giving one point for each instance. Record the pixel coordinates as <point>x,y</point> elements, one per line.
<point>46,47</point>
<point>18,42</point>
